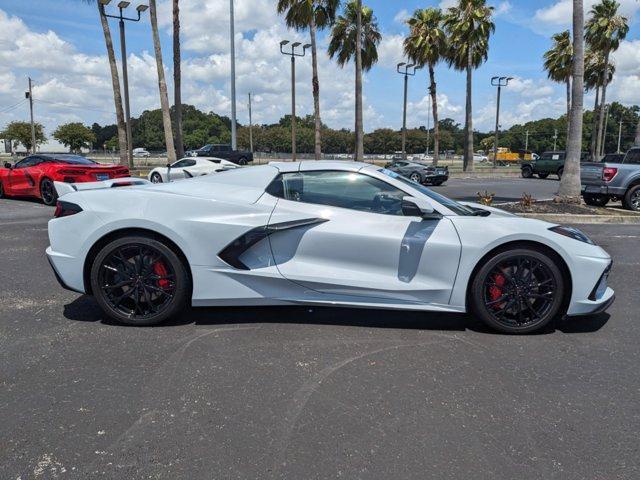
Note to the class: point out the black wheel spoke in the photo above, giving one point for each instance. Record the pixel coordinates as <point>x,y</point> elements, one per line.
<point>137,281</point>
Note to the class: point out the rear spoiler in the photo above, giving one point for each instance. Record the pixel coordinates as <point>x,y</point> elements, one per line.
<point>64,188</point>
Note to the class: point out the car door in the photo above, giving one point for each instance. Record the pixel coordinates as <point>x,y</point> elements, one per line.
<point>21,181</point>
<point>354,241</point>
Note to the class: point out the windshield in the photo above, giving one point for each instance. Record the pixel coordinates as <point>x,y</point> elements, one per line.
<point>452,205</point>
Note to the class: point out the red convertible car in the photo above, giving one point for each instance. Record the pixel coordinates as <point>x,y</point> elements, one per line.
<point>33,176</point>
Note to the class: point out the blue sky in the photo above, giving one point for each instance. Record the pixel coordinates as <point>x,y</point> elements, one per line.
<point>60,44</point>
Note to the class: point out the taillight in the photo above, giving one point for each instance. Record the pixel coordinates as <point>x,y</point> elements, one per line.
<point>608,173</point>
<point>72,172</point>
<point>66,209</point>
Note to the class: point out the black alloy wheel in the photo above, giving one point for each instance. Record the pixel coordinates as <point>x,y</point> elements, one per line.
<point>242,161</point>
<point>139,281</point>
<point>518,291</point>
<point>48,192</point>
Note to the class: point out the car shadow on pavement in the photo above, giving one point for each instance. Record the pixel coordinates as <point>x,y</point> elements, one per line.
<point>85,309</point>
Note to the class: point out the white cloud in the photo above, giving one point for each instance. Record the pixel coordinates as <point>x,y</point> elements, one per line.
<point>527,87</point>
<point>391,51</point>
<point>402,16</point>
<point>559,14</point>
<point>420,112</point>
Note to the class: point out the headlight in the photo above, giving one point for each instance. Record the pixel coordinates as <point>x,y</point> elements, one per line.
<point>572,232</point>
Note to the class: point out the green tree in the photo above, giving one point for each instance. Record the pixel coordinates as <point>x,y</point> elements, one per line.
<point>427,45</point>
<point>558,61</point>
<point>594,65</point>
<point>469,26</point>
<point>312,15</point>
<point>20,133</point>
<point>604,31</point>
<point>355,36</point>
<point>75,136</point>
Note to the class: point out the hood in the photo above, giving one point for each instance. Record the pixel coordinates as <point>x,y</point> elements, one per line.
<point>495,212</point>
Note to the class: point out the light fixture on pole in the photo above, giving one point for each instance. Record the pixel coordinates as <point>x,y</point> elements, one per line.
<point>293,54</point>
<point>125,73</point>
<point>408,70</point>
<point>498,82</point>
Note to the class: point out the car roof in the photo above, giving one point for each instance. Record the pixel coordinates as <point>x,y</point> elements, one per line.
<point>307,166</point>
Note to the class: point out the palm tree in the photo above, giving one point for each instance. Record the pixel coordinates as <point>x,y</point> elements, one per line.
<point>115,82</point>
<point>346,44</point>
<point>177,78</point>
<point>427,45</point>
<point>593,68</point>
<point>604,31</point>
<point>469,27</point>
<point>570,182</point>
<point>558,62</point>
<point>162,84</point>
<point>313,15</point>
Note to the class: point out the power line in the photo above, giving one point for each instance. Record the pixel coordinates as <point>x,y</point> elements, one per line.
<point>14,106</point>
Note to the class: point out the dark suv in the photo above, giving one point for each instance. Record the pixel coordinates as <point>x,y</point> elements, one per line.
<point>549,163</point>
<point>225,152</point>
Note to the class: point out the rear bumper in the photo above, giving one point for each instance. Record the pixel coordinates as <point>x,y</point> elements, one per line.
<point>65,269</point>
<point>603,190</point>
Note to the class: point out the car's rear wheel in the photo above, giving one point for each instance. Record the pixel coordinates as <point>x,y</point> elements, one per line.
<point>2,194</point>
<point>139,280</point>
<point>632,199</point>
<point>518,291</point>
<point>595,200</point>
<point>543,175</point>
<point>527,172</point>
<point>416,177</point>
<point>242,161</point>
<point>48,192</point>
<point>156,178</point>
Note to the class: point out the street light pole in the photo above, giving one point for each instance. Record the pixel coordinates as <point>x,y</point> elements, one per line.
<point>498,82</point>
<point>125,72</point>
<point>293,54</point>
<point>620,136</point>
<point>250,126</point>
<point>234,134</point>
<point>33,126</point>
<point>408,70</point>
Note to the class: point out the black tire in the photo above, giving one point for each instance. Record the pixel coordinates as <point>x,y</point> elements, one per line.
<point>139,280</point>
<point>156,178</point>
<point>415,177</point>
<point>543,175</point>
<point>504,285</point>
<point>2,194</point>
<point>560,173</point>
<point>527,171</point>
<point>242,161</point>
<point>632,199</point>
<point>595,200</point>
<point>48,192</point>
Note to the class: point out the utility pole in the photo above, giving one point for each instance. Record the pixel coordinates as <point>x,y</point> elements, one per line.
<point>555,139</point>
<point>250,126</point>
<point>526,141</point>
<point>234,134</point>
<point>33,126</point>
<point>498,82</point>
<point>293,54</point>
<point>407,72</point>
<point>620,136</point>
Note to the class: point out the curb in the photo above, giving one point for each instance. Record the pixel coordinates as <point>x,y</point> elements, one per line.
<point>584,219</point>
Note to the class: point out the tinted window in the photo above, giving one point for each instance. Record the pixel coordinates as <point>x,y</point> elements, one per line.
<point>184,163</point>
<point>633,157</point>
<point>71,159</point>
<point>224,148</point>
<point>27,162</point>
<point>339,189</point>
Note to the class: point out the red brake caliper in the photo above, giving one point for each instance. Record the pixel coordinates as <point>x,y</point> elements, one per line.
<point>495,292</point>
<point>160,270</point>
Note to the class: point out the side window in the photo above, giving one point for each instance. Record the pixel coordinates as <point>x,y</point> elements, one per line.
<point>349,190</point>
<point>180,164</point>
<point>225,148</point>
<point>633,157</point>
<point>27,162</point>
<point>188,163</point>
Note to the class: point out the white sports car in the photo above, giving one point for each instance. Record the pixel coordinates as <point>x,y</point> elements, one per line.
<point>317,233</point>
<point>189,168</point>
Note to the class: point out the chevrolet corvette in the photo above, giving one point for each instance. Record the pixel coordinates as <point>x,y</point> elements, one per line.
<point>317,233</point>
<point>34,176</point>
<point>189,168</point>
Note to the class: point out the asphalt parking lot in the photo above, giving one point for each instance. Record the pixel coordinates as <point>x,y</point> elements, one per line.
<point>296,393</point>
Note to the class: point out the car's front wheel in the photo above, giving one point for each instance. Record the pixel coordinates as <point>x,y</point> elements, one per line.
<point>527,172</point>
<point>48,192</point>
<point>139,280</point>
<point>518,291</point>
<point>242,161</point>
<point>156,178</point>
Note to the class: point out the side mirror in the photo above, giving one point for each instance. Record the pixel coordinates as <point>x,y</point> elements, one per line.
<point>168,165</point>
<point>8,165</point>
<point>417,207</point>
